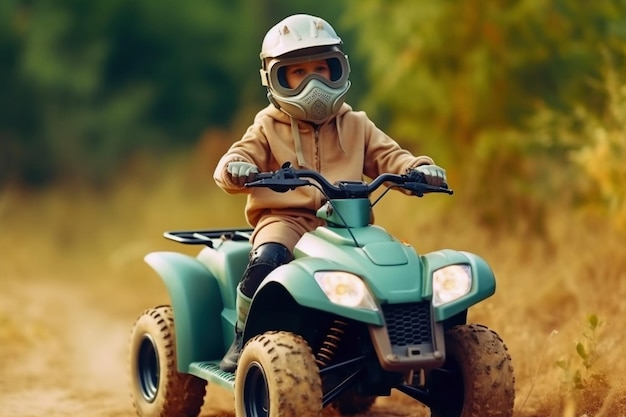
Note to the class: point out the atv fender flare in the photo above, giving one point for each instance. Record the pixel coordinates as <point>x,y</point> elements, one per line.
<point>483,280</point>
<point>197,306</point>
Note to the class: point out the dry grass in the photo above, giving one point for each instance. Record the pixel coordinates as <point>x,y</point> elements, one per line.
<point>545,284</point>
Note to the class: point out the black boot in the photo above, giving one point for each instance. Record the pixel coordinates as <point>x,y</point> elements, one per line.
<point>230,359</point>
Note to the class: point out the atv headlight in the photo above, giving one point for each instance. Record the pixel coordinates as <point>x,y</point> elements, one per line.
<point>345,289</point>
<point>451,283</point>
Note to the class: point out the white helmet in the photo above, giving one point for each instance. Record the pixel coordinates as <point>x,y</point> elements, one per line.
<point>301,38</point>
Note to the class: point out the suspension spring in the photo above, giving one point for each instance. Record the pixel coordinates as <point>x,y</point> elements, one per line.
<point>331,343</point>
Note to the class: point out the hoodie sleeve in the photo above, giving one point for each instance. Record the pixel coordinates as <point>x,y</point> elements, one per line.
<point>383,154</point>
<point>252,148</point>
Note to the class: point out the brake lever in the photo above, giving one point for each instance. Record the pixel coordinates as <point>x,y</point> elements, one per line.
<point>420,188</point>
<point>444,190</point>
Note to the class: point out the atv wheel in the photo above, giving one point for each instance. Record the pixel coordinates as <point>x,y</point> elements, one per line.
<point>157,388</point>
<point>350,403</point>
<point>277,376</point>
<point>477,379</point>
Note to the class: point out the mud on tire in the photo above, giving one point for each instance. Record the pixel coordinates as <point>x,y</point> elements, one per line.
<point>157,388</point>
<point>277,376</point>
<point>479,379</point>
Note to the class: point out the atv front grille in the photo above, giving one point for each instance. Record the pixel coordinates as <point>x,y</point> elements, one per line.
<point>408,324</point>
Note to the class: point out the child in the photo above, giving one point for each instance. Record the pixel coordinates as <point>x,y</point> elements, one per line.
<point>309,125</point>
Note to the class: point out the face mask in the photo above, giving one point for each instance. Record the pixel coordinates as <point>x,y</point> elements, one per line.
<point>315,102</point>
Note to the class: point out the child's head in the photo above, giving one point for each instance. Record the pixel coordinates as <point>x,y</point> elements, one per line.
<point>304,68</point>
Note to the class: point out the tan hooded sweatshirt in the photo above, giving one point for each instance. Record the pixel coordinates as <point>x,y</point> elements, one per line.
<point>346,147</point>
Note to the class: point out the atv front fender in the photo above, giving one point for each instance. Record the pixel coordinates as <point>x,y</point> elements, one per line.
<point>483,280</point>
<point>297,281</point>
<point>197,306</point>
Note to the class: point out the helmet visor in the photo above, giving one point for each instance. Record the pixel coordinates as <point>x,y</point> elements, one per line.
<point>276,73</point>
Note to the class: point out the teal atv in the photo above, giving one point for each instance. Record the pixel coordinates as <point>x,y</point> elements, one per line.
<point>356,314</point>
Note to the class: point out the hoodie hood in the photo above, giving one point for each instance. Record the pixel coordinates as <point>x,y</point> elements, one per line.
<point>279,115</point>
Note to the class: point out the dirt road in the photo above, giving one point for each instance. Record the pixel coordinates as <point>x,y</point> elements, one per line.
<point>63,353</point>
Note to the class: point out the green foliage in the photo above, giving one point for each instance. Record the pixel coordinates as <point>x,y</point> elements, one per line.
<point>584,150</point>
<point>585,386</point>
<point>489,89</point>
<point>454,69</point>
<point>601,157</point>
<point>579,374</point>
<point>104,78</point>
<point>84,84</point>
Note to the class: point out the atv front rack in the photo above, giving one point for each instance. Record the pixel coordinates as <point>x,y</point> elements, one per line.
<point>206,237</point>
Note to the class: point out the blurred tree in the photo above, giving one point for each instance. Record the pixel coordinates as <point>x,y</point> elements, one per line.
<point>453,69</point>
<point>20,143</point>
<point>473,79</point>
<point>85,84</point>
<point>601,156</point>
<point>91,81</point>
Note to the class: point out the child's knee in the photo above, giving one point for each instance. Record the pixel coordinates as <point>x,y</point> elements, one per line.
<point>263,260</point>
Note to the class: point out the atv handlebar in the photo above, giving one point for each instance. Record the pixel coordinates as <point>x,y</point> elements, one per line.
<point>288,178</point>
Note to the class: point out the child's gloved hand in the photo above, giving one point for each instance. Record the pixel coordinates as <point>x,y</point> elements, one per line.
<point>432,174</point>
<point>241,172</point>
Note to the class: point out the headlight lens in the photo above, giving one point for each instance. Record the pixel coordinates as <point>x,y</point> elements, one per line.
<point>345,289</point>
<point>451,283</point>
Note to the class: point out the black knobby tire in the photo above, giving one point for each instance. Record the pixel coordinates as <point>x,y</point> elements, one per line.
<point>479,379</point>
<point>350,403</point>
<point>157,388</point>
<point>277,376</point>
